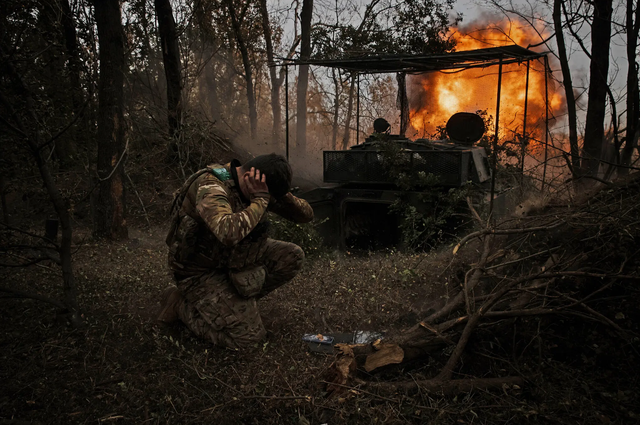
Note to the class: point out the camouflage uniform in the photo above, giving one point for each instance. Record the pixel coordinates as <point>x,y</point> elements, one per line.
<point>217,235</point>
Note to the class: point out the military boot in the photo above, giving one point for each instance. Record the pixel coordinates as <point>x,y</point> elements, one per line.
<point>249,282</point>
<point>171,298</point>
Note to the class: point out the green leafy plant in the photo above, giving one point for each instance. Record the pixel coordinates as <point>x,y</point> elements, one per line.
<point>427,212</point>
<point>305,235</point>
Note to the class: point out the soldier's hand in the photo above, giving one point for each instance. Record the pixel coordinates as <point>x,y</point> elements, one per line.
<point>256,182</point>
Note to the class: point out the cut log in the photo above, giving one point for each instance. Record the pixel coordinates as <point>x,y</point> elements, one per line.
<point>387,354</point>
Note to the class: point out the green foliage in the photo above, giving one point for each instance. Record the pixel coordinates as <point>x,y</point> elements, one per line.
<point>420,26</point>
<point>395,27</point>
<point>426,210</point>
<point>304,235</point>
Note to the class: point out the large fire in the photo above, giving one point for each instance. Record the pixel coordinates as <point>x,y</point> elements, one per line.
<point>434,97</point>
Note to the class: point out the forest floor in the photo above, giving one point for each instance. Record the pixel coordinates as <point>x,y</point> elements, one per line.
<point>124,367</point>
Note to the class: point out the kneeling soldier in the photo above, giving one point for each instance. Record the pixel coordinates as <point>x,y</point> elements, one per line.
<point>219,252</point>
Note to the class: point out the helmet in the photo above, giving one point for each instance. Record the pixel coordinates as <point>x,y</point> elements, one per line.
<point>380,125</point>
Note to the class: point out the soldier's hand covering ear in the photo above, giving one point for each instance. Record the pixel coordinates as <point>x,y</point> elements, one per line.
<point>256,183</point>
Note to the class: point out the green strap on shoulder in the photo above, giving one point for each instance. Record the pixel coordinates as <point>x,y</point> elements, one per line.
<point>221,174</point>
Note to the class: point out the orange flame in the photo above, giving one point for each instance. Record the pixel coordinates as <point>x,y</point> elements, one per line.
<point>434,97</point>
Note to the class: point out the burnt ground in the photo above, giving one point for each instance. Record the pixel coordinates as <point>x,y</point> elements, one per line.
<point>122,367</point>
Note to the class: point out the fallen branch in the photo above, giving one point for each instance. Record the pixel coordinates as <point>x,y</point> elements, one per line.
<point>21,294</point>
<point>483,232</point>
<point>33,235</point>
<point>473,282</point>
<point>275,397</point>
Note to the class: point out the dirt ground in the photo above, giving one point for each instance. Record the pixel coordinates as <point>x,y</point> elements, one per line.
<point>122,367</point>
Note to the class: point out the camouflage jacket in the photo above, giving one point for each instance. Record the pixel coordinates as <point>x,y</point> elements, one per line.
<point>214,219</point>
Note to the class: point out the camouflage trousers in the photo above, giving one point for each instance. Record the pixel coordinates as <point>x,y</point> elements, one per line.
<point>213,309</point>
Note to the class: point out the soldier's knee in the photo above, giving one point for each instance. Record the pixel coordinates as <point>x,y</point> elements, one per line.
<point>292,262</point>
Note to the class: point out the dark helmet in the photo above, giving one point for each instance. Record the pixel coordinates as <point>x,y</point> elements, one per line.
<point>380,125</point>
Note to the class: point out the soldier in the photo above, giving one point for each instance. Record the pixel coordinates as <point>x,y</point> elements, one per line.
<point>381,126</point>
<point>220,255</point>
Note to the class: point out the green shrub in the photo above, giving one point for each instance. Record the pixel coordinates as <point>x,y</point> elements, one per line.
<point>427,211</point>
<point>304,235</point>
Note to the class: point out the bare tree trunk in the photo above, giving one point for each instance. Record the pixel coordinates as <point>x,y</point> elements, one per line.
<point>35,145</point>
<point>275,81</point>
<point>109,201</point>
<point>568,86</point>
<point>303,74</point>
<point>248,72</point>
<point>403,102</point>
<point>211,84</point>
<point>347,124</point>
<point>73,66</point>
<point>633,99</point>
<point>171,60</point>
<point>336,109</point>
<point>54,82</point>
<point>599,71</point>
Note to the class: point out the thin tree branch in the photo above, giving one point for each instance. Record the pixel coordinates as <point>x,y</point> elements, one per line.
<point>22,294</point>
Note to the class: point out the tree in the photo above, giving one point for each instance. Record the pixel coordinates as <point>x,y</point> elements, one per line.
<point>74,68</point>
<point>109,200</point>
<point>572,114</point>
<point>20,118</point>
<point>350,99</point>
<point>633,99</point>
<point>403,102</point>
<point>171,60</point>
<point>276,82</point>
<point>598,84</point>
<point>236,24</point>
<point>303,74</point>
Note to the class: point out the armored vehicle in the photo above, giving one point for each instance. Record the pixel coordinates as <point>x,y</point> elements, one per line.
<point>358,191</point>
<point>353,204</point>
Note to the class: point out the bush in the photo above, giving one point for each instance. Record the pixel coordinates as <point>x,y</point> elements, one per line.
<point>304,235</point>
<point>427,211</point>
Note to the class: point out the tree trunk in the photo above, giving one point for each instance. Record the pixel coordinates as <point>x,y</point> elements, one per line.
<point>55,79</point>
<point>303,75</point>
<point>73,66</point>
<point>403,102</point>
<point>171,60</point>
<point>336,109</point>
<point>275,81</point>
<point>109,201</point>
<point>599,70</point>
<point>35,145</point>
<point>248,72</point>
<point>211,90</point>
<point>633,100</point>
<point>347,124</point>
<point>568,86</point>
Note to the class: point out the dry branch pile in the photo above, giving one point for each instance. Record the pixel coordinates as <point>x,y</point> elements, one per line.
<point>560,262</point>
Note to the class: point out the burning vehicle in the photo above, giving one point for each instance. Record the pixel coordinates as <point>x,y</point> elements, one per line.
<point>353,205</point>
